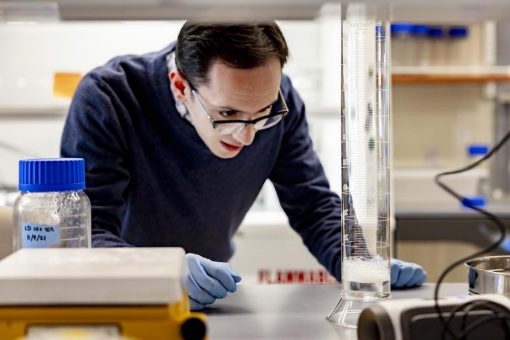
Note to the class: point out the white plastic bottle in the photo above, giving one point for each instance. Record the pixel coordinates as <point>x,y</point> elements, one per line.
<point>52,210</point>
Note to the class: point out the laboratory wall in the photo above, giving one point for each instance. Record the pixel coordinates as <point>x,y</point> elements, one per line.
<point>432,124</point>
<point>32,118</point>
<point>444,104</point>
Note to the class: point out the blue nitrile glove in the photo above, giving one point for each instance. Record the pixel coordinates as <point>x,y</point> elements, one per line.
<point>406,274</point>
<point>208,280</point>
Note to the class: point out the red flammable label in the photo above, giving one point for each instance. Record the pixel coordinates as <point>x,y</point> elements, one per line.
<point>266,276</point>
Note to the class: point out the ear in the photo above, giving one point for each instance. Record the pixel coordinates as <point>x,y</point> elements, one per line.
<point>178,85</point>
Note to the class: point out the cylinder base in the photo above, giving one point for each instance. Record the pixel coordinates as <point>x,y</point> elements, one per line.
<point>347,311</point>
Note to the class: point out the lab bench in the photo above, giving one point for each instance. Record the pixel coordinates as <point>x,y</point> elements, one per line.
<point>292,311</point>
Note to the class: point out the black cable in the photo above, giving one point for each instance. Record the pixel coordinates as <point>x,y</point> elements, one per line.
<point>481,305</point>
<point>499,313</point>
<point>481,321</point>
<point>464,308</point>
<point>490,216</point>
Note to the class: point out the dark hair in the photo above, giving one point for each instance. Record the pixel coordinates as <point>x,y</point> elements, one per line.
<point>236,45</point>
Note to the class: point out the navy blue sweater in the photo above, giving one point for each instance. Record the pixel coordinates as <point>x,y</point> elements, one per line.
<point>153,182</point>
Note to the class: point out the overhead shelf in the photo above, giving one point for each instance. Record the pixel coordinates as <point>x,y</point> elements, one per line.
<point>410,10</point>
<point>449,74</point>
<point>37,110</point>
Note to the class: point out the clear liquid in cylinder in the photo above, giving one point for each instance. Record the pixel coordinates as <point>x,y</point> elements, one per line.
<point>366,280</point>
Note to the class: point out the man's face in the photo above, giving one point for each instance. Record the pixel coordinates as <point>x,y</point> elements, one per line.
<point>233,94</point>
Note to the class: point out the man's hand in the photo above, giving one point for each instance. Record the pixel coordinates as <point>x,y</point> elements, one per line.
<point>208,280</point>
<point>406,274</point>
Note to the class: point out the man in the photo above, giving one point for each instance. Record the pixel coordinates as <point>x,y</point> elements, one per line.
<point>179,142</point>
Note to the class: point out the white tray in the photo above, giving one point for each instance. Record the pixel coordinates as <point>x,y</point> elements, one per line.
<point>99,276</point>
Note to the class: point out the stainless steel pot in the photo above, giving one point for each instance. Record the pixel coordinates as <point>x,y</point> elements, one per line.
<point>489,275</point>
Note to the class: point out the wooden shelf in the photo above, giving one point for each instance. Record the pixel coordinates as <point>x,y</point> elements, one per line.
<point>450,75</point>
<point>447,78</point>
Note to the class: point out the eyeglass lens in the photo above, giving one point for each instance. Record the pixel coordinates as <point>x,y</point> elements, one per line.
<point>260,125</point>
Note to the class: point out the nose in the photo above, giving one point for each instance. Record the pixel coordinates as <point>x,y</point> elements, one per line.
<point>246,135</point>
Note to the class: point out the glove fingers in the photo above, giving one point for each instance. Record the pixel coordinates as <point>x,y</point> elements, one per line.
<point>405,274</point>
<point>197,293</point>
<point>223,274</point>
<point>422,279</point>
<point>394,272</point>
<point>236,277</point>
<point>195,305</point>
<point>419,278</point>
<point>209,283</point>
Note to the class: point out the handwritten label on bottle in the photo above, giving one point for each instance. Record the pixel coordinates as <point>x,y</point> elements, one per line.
<point>40,236</point>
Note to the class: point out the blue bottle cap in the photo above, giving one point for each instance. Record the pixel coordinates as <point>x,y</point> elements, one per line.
<point>51,174</point>
<point>435,32</point>
<point>420,30</point>
<point>473,201</point>
<point>458,32</point>
<point>477,149</point>
<point>401,27</point>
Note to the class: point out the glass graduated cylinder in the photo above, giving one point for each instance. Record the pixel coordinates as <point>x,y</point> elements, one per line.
<point>365,162</point>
